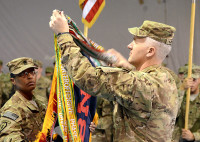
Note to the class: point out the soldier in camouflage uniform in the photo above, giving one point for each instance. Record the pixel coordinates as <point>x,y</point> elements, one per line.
<point>49,72</point>
<point>42,89</point>
<point>6,86</point>
<point>193,132</point>
<point>181,73</point>
<point>103,132</point>
<point>21,117</point>
<point>146,99</point>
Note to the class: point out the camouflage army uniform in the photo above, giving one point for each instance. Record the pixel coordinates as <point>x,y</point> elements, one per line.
<point>146,101</point>
<point>49,70</point>
<point>42,90</point>
<point>194,113</point>
<point>194,119</point>
<point>20,119</point>
<point>6,85</point>
<point>104,130</point>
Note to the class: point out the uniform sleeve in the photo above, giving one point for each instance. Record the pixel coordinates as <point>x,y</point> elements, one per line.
<point>197,135</point>
<point>127,88</point>
<point>10,130</point>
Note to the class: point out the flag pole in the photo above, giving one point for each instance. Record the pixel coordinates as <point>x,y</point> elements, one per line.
<point>190,60</point>
<point>85,30</point>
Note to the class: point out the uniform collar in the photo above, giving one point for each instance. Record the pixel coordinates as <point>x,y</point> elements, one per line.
<point>150,68</point>
<point>26,102</point>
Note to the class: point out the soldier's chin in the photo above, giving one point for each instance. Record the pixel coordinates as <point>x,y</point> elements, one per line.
<point>31,88</point>
<point>130,61</point>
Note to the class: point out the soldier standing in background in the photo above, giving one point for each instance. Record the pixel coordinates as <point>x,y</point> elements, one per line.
<point>43,85</point>
<point>6,86</point>
<point>104,129</point>
<point>21,117</point>
<point>193,132</point>
<point>146,98</point>
<point>181,73</point>
<point>49,72</point>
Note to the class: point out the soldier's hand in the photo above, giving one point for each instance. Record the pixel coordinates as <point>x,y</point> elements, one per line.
<point>187,83</point>
<point>187,134</point>
<point>58,22</point>
<point>121,61</point>
<point>92,127</point>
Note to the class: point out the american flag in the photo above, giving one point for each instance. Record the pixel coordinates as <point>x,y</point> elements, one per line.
<point>91,10</point>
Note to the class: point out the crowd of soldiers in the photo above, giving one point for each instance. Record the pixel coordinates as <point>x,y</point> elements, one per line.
<point>136,101</point>
<point>104,128</point>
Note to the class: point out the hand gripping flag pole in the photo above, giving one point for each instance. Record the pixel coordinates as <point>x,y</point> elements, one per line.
<point>190,61</point>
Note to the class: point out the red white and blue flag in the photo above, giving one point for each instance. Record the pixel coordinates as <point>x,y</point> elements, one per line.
<point>91,10</point>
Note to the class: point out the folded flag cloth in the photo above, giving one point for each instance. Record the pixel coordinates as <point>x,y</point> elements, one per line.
<point>87,45</point>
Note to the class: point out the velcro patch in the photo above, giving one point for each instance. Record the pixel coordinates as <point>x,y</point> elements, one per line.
<point>10,115</point>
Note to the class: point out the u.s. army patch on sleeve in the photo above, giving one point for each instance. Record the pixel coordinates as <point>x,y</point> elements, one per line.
<point>7,120</point>
<point>4,124</point>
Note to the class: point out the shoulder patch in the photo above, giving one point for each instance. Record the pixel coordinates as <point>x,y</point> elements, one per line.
<point>10,115</point>
<point>4,124</point>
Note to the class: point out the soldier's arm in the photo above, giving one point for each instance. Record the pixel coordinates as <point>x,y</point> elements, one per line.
<point>127,88</point>
<point>10,130</point>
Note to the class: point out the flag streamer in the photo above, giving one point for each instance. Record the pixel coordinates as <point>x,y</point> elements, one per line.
<point>72,117</point>
<point>87,45</point>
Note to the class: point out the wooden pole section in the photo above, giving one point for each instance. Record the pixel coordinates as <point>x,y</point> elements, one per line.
<point>190,61</point>
<point>85,30</point>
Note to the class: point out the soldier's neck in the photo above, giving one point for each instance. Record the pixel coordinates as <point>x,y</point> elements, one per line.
<point>27,95</point>
<point>147,64</point>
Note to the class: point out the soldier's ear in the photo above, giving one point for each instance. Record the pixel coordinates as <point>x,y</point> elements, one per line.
<point>151,51</point>
<point>13,81</point>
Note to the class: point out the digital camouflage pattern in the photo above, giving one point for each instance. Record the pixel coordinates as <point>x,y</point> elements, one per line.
<point>42,90</point>
<point>157,31</point>
<point>104,130</point>
<point>181,69</point>
<point>194,119</point>
<point>146,101</point>
<point>195,71</point>
<point>194,114</point>
<point>20,120</point>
